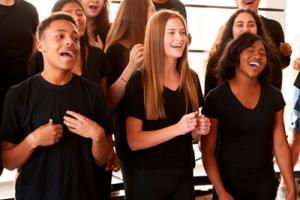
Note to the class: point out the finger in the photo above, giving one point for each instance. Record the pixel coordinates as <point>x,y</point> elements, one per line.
<point>50,121</point>
<point>74,114</point>
<point>70,120</point>
<point>70,125</point>
<point>192,114</point>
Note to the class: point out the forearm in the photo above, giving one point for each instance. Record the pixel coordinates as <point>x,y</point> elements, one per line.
<point>15,156</point>
<point>213,173</point>
<point>117,90</point>
<point>100,150</point>
<point>283,158</point>
<point>147,139</point>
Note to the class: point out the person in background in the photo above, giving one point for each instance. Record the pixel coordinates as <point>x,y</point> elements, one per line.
<point>294,137</point>
<point>273,28</point>
<point>92,64</point>
<point>249,131</point>
<point>162,107</point>
<point>54,123</point>
<point>18,21</point>
<point>98,25</point>
<point>241,21</point>
<point>175,5</point>
<point>124,49</point>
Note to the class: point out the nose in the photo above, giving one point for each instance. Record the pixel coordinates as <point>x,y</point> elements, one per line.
<point>69,41</point>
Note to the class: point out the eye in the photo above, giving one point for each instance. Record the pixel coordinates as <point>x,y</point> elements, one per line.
<point>76,39</point>
<point>60,36</point>
<point>183,32</point>
<point>79,12</point>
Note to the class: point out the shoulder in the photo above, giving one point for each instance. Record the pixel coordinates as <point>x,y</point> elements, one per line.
<point>28,6</point>
<point>22,88</point>
<point>270,22</point>
<point>116,47</point>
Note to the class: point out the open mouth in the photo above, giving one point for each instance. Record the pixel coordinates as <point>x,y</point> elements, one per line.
<point>249,2</point>
<point>176,46</point>
<point>94,8</point>
<point>68,54</point>
<point>254,64</point>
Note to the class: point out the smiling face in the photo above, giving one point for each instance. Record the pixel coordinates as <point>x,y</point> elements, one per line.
<point>253,60</point>
<point>59,45</point>
<point>76,11</point>
<point>250,4</point>
<point>175,38</point>
<point>92,8</point>
<point>244,22</point>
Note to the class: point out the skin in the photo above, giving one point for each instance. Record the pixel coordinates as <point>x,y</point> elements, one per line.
<point>59,45</point>
<point>244,22</point>
<point>175,34</point>
<point>246,87</point>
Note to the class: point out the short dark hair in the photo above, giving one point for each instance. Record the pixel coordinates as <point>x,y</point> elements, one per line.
<point>231,56</point>
<point>53,17</point>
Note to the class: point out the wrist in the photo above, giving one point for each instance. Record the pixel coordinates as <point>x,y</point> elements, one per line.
<point>98,135</point>
<point>32,140</point>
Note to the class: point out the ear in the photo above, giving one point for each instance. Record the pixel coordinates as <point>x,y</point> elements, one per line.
<point>40,46</point>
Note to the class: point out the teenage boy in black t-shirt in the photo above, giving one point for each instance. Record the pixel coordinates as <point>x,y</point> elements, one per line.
<point>54,123</point>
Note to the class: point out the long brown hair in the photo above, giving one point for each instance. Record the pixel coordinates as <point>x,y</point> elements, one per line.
<point>130,23</point>
<point>153,67</point>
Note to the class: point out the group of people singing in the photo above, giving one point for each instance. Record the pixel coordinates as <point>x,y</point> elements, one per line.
<point>89,80</point>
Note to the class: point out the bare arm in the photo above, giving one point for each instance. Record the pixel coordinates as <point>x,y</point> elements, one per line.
<point>16,155</point>
<point>283,155</point>
<point>87,128</point>
<point>117,89</point>
<point>208,147</point>
<point>140,139</point>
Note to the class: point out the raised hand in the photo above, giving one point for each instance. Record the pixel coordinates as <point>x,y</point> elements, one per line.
<point>285,49</point>
<point>47,134</point>
<point>83,126</point>
<point>136,56</point>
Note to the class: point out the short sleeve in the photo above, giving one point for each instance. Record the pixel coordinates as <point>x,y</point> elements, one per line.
<point>278,99</point>
<point>210,106</point>
<point>104,117</point>
<point>134,97</point>
<point>11,128</point>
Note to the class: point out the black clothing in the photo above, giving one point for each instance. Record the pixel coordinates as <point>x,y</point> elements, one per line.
<point>118,56</point>
<point>97,65</point>
<point>176,5</point>
<point>176,155</point>
<point>18,25</point>
<point>276,33</point>
<point>167,154</point>
<point>65,170</point>
<point>242,134</point>
<point>164,184</point>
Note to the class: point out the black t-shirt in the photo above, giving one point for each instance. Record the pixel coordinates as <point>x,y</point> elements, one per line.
<point>65,170</point>
<point>175,153</point>
<point>97,65</point>
<point>275,31</point>
<point>172,5</point>
<point>245,136</point>
<point>118,57</point>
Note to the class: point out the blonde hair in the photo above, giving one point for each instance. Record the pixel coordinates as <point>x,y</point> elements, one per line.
<point>153,68</point>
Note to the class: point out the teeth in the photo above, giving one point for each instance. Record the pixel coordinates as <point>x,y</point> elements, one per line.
<point>176,46</point>
<point>253,63</point>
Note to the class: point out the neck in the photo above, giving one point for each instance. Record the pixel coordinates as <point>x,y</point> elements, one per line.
<point>243,82</point>
<point>159,1</point>
<point>170,64</point>
<point>7,2</point>
<point>56,77</point>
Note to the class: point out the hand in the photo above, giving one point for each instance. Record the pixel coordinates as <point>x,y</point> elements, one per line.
<point>203,125</point>
<point>225,196</point>
<point>296,64</point>
<point>285,48</point>
<point>136,56</point>
<point>83,126</point>
<point>187,123</point>
<point>113,163</point>
<point>47,134</point>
